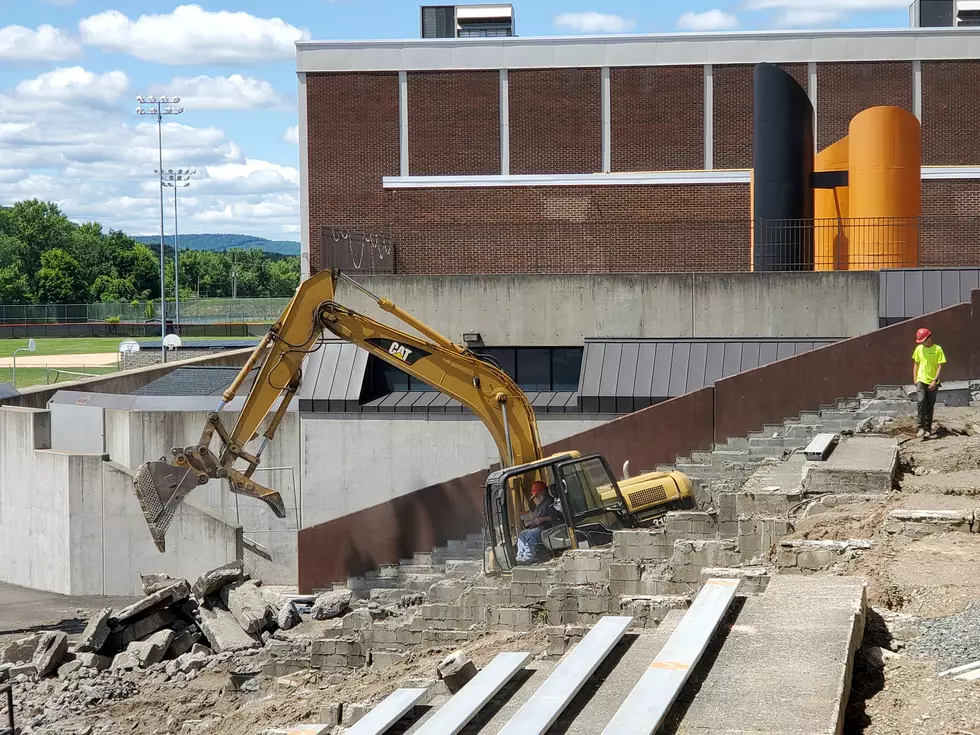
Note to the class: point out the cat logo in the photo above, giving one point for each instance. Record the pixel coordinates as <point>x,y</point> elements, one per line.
<point>401,352</point>
<point>404,353</point>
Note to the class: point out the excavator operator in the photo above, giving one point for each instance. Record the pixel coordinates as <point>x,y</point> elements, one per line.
<point>544,515</point>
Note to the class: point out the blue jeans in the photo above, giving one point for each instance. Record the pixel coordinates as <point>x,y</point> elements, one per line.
<point>527,544</point>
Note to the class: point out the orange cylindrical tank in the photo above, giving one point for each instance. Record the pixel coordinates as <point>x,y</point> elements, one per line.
<point>885,182</point>
<point>830,211</point>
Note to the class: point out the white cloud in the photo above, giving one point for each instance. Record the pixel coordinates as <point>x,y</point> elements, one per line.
<point>808,18</point>
<point>64,141</point>
<point>593,22</point>
<point>709,20</point>
<point>73,84</point>
<point>46,43</point>
<point>291,135</point>
<point>192,35</point>
<point>236,92</point>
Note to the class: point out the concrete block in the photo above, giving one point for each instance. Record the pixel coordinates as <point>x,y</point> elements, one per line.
<point>94,661</point>
<point>774,503</point>
<point>691,524</point>
<point>68,668</point>
<point>96,632</point>
<point>456,670</point>
<point>351,714</point>
<point>21,650</point>
<point>541,575</point>
<point>385,659</point>
<point>288,616</point>
<point>757,536</point>
<point>811,556</point>
<point>140,629</point>
<point>753,580</point>
<point>183,642</point>
<point>159,600</point>
<point>212,581</point>
<point>22,669</point>
<point>649,611</point>
<point>248,605</point>
<point>516,619</point>
<point>332,604</point>
<point>463,568</point>
<point>921,523</point>
<point>152,650</point>
<point>51,650</point>
<point>330,714</point>
<point>641,544</point>
<point>223,631</point>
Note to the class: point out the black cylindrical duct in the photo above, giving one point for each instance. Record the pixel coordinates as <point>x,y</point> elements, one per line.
<point>783,162</point>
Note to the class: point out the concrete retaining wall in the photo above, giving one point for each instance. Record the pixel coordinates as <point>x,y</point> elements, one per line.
<point>69,523</point>
<point>552,310</point>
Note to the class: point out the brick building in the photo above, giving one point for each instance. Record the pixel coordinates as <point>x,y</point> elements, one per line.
<point>605,154</point>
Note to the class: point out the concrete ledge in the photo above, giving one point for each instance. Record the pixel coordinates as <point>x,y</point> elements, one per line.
<point>754,580</point>
<point>920,523</point>
<point>865,464</point>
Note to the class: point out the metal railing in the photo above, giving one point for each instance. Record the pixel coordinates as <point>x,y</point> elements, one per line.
<point>7,688</point>
<point>192,311</point>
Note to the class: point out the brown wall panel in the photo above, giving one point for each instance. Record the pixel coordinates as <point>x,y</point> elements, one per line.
<point>454,123</point>
<point>734,107</point>
<point>745,402</point>
<point>353,144</point>
<point>844,90</point>
<point>603,229</point>
<point>555,121</point>
<point>950,113</point>
<point>425,519</point>
<point>657,118</point>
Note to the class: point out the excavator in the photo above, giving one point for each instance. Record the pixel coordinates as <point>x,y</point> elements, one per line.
<point>592,502</point>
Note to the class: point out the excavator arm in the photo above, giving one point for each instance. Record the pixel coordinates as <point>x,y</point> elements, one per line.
<point>450,368</point>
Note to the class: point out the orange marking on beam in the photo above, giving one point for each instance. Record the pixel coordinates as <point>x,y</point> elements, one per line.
<point>670,665</point>
<point>722,582</point>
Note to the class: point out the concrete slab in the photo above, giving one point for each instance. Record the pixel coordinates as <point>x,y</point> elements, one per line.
<point>784,476</point>
<point>860,464</point>
<point>802,633</point>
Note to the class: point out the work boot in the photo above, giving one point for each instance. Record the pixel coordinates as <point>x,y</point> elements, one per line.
<point>920,433</point>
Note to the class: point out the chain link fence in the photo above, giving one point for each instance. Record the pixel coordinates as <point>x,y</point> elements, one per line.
<point>192,311</point>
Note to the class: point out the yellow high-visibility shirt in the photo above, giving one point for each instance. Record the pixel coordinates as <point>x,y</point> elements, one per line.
<point>928,359</point>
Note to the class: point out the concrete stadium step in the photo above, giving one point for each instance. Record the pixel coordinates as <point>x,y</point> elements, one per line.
<point>765,643</point>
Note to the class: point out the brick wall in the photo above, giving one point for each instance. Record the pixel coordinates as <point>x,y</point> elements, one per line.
<point>844,90</point>
<point>950,111</point>
<point>734,107</point>
<point>570,230</point>
<point>951,223</point>
<point>555,121</point>
<point>454,123</point>
<point>657,118</point>
<point>353,143</point>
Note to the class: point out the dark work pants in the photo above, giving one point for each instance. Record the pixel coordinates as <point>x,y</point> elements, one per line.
<point>927,402</point>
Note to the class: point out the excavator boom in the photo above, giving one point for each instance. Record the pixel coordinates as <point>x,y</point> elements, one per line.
<point>450,368</point>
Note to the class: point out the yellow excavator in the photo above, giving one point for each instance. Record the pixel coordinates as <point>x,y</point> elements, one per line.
<point>592,502</point>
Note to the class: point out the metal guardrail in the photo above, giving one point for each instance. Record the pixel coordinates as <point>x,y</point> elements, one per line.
<point>7,689</point>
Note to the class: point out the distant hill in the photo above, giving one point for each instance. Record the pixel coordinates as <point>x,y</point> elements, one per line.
<point>221,242</point>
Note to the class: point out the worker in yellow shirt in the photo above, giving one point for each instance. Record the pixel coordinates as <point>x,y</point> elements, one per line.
<point>927,363</point>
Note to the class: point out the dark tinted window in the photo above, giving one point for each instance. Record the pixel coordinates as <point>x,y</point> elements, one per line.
<point>566,363</point>
<point>534,369</point>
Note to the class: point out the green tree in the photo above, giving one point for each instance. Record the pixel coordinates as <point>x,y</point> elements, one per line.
<point>40,226</point>
<point>58,280</point>
<point>14,288</point>
<point>283,277</point>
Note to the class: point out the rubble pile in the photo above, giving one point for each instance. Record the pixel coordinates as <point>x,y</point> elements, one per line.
<point>173,634</point>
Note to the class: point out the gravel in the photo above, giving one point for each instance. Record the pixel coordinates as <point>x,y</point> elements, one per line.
<point>952,641</point>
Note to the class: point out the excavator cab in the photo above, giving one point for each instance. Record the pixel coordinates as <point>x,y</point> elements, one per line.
<point>584,491</point>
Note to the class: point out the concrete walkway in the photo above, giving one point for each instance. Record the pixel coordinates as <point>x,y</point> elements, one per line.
<point>24,611</point>
<point>784,667</point>
<point>96,359</point>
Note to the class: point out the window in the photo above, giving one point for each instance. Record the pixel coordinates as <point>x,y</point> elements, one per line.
<point>566,364</point>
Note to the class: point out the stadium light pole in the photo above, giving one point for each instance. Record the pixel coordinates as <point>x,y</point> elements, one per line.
<point>155,106</point>
<point>179,179</point>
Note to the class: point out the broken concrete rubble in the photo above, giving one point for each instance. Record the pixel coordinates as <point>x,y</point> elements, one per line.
<point>288,616</point>
<point>96,633</point>
<point>456,670</point>
<point>223,631</point>
<point>248,605</point>
<point>159,600</point>
<point>210,582</point>
<point>152,583</point>
<point>20,651</point>
<point>51,649</point>
<point>332,604</point>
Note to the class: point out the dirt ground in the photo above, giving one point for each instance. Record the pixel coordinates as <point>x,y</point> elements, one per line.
<point>914,583</point>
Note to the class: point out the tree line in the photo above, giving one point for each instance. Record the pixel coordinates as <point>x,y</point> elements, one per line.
<point>46,258</point>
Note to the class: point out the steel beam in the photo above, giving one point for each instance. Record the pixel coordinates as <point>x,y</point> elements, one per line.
<point>547,703</point>
<point>473,697</point>
<point>647,704</point>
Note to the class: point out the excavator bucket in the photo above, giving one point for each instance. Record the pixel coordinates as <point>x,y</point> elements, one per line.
<point>161,488</point>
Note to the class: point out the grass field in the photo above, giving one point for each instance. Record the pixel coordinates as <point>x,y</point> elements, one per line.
<point>62,345</point>
<point>27,376</point>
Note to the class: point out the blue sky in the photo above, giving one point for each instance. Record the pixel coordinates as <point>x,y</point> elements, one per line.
<point>70,70</point>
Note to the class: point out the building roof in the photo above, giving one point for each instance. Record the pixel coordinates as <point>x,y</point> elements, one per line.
<point>334,375</point>
<point>740,47</point>
<point>624,375</point>
<point>194,381</point>
<point>228,343</point>
<point>7,390</point>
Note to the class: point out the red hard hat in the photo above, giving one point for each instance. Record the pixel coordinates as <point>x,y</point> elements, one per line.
<point>538,487</point>
<point>922,335</point>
